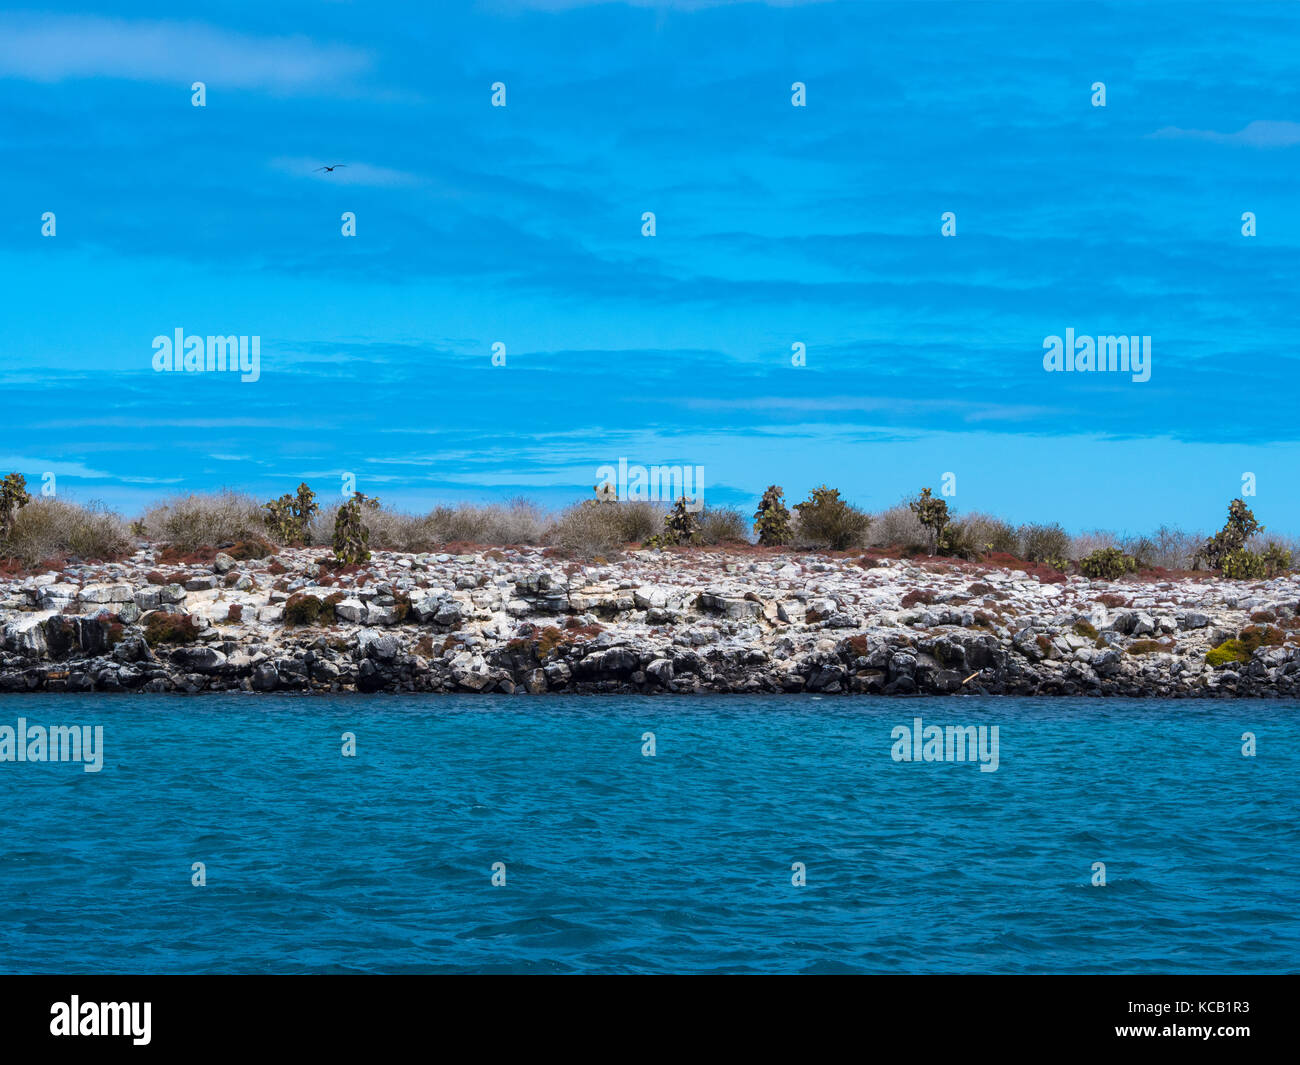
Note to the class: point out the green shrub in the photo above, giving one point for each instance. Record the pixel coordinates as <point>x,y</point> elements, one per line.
<point>1085,629</point>
<point>826,520</point>
<point>1107,563</point>
<point>772,519</point>
<point>1248,641</point>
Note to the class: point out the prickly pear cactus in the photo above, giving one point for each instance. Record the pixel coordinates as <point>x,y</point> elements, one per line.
<point>772,519</point>
<point>351,537</point>
<point>13,497</point>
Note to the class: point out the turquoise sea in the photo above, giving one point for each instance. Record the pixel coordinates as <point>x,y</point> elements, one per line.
<point>617,861</point>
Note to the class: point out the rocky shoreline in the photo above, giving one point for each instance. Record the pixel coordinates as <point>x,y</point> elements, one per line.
<point>522,620</point>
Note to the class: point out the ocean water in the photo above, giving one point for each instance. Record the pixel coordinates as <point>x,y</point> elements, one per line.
<point>681,862</point>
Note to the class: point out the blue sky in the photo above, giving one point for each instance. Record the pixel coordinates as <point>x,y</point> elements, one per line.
<point>774,225</point>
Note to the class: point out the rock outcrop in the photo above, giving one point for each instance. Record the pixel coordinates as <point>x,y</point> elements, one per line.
<point>525,621</point>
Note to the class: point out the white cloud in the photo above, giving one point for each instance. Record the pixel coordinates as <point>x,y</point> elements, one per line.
<point>56,48</point>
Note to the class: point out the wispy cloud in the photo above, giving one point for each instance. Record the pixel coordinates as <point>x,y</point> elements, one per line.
<point>61,468</point>
<point>51,48</point>
<point>1258,134</point>
<point>346,174</point>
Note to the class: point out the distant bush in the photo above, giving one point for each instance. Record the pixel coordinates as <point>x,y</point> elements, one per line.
<point>1172,548</point>
<point>588,529</point>
<point>991,535</point>
<point>1107,563</point>
<point>637,520</point>
<point>52,528</point>
<point>827,521</point>
<point>896,527</point>
<point>516,522</point>
<point>723,525</point>
<point>958,541</point>
<point>195,520</point>
<point>1142,549</point>
<point>1049,544</point>
<point>1084,544</point>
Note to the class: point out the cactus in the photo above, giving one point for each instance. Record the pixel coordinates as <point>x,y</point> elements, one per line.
<point>13,497</point>
<point>1231,539</point>
<point>1107,563</point>
<point>289,516</point>
<point>682,526</point>
<point>933,514</point>
<point>826,520</point>
<point>351,537</point>
<point>1243,565</point>
<point>772,519</point>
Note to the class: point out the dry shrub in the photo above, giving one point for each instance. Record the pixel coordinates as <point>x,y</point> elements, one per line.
<point>200,519</point>
<point>52,528</point>
<point>723,525</point>
<point>516,522</point>
<point>897,527</point>
<point>1084,544</point>
<point>988,534</point>
<point>588,529</point>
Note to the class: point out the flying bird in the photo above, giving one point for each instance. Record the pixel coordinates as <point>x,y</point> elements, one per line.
<point>328,168</point>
